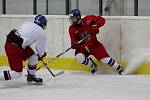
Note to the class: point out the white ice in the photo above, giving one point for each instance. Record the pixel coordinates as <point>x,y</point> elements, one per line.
<point>78,86</point>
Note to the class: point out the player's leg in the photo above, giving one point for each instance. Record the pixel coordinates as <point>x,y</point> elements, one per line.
<point>101,54</point>
<point>112,63</point>
<point>8,75</point>
<point>81,58</point>
<point>29,54</point>
<point>15,61</point>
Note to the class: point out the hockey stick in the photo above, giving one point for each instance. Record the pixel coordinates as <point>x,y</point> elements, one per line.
<point>54,75</point>
<point>69,48</point>
<point>45,64</point>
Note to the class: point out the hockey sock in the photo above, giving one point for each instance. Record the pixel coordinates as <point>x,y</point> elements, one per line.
<point>8,75</point>
<point>85,60</point>
<point>31,69</point>
<point>111,62</point>
<point>89,62</point>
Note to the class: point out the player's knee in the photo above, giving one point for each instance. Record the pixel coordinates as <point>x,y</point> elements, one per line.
<point>108,60</point>
<point>27,52</point>
<point>105,60</point>
<point>80,58</point>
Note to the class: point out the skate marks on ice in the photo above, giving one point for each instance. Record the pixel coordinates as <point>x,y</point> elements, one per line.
<point>12,84</point>
<point>48,80</point>
<point>84,86</point>
<point>22,84</point>
<point>18,83</point>
<point>22,81</point>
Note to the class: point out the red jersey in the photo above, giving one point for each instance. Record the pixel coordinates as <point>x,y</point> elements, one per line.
<point>77,32</point>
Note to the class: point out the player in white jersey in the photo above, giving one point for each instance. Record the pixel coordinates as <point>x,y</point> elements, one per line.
<point>18,48</point>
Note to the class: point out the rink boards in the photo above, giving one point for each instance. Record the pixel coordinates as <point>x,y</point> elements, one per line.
<point>72,65</point>
<point>124,37</point>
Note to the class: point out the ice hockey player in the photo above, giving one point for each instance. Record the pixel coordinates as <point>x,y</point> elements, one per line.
<point>18,49</point>
<point>89,25</point>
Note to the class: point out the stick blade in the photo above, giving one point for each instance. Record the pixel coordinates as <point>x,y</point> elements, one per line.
<point>59,73</point>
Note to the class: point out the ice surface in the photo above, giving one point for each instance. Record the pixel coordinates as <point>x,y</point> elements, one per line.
<point>78,86</point>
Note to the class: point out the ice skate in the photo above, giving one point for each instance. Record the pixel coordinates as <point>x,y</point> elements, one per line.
<point>94,69</point>
<point>120,70</point>
<point>33,79</point>
<point>94,66</point>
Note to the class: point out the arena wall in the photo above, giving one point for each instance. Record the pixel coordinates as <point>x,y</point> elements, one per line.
<point>124,38</point>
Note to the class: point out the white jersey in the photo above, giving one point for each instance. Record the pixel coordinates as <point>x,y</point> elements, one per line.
<point>32,33</point>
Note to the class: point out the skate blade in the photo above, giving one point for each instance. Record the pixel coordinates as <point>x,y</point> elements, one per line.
<point>34,83</point>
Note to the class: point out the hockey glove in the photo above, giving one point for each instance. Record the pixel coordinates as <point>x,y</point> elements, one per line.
<point>91,23</point>
<point>95,29</point>
<point>41,58</point>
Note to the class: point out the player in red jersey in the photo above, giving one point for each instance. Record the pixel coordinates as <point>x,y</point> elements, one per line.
<point>89,25</point>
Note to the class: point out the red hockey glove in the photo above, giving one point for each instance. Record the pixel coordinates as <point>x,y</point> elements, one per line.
<point>91,23</point>
<point>40,58</point>
<point>95,29</point>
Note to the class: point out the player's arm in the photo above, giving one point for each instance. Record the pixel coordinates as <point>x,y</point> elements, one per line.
<point>73,38</point>
<point>95,22</point>
<point>40,46</point>
<point>99,21</point>
<point>75,41</point>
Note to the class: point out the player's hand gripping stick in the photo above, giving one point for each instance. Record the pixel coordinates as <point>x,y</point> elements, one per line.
<point>45,64</point>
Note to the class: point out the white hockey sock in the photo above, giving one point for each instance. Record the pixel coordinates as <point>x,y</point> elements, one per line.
<point>32,64</point>
<point>31,69</point>
<point>111,62</point>
<point>84,60</point>
<point>8,75</point>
